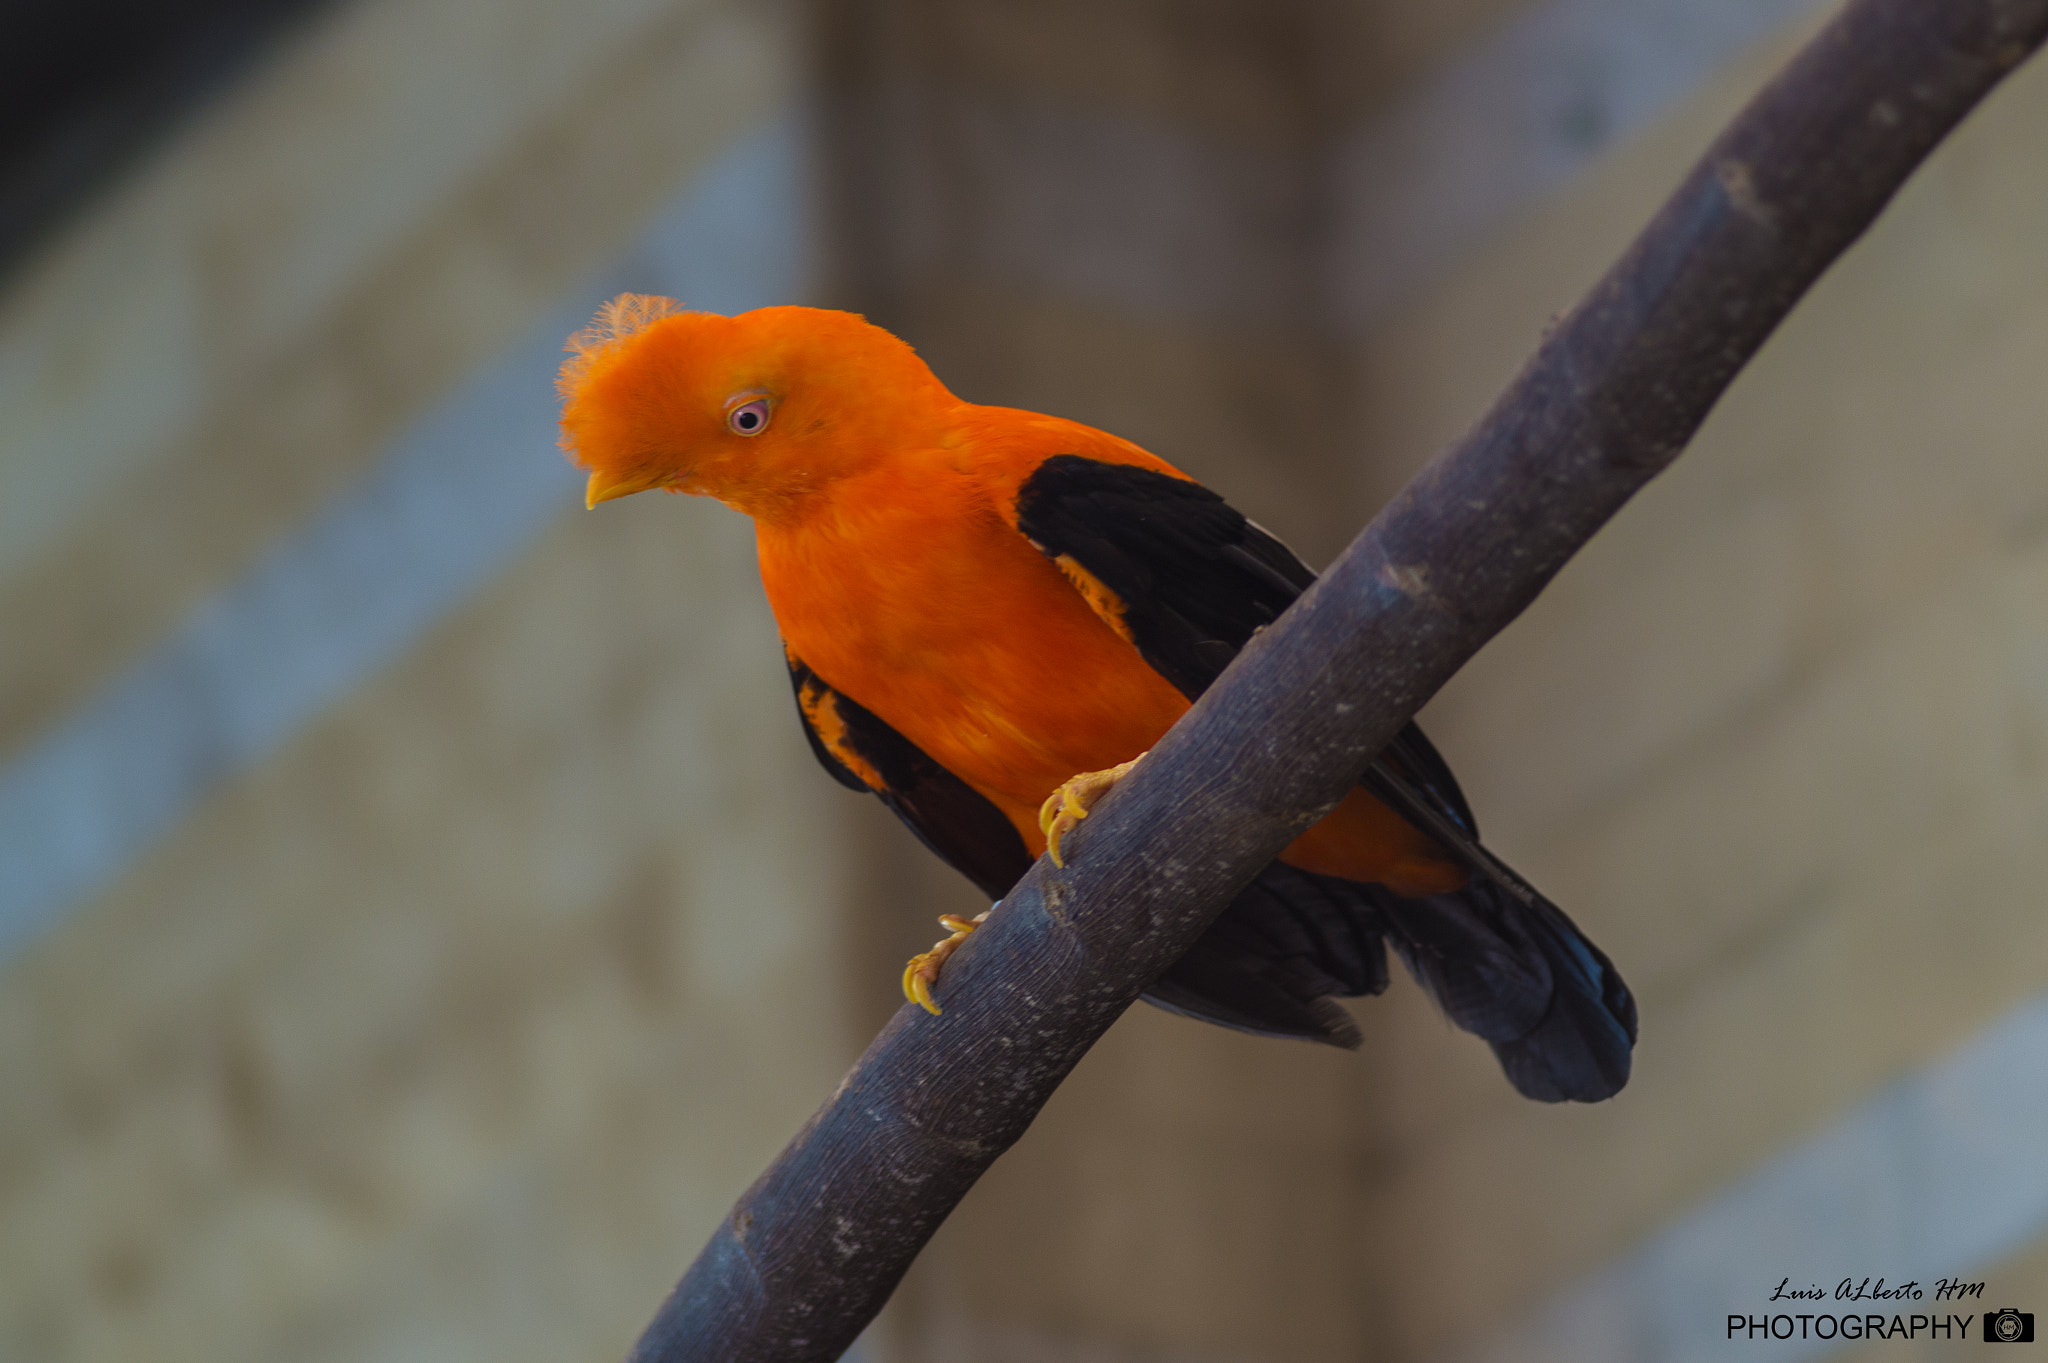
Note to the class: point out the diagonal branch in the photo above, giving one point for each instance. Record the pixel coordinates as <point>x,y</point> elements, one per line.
<point>814,1248</point>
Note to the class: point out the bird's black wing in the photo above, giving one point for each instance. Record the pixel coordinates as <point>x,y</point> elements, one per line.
<point>1188,580</point>
<point>1189,577</point>
<point>949,816</point>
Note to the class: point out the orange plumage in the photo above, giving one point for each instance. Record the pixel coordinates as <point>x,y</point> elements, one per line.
<point>979,603</point>
<point>885,516</point>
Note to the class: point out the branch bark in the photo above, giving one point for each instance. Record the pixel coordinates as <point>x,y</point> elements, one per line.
<point>1618,387</point>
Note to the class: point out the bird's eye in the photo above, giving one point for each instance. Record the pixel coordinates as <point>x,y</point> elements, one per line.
<point>749,418</point>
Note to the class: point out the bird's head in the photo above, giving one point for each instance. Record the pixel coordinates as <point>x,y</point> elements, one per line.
<point>758,410</point>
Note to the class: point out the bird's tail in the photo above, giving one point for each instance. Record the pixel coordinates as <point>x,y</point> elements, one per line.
<point>1521,976</point>
<point>1504,964</point>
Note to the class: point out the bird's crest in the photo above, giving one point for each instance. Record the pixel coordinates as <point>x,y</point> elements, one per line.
<point>616,321</point>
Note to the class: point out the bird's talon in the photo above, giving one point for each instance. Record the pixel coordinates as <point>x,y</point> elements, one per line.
<point>1070,804</point>
<point>917,983</point>
<point>922,970</point>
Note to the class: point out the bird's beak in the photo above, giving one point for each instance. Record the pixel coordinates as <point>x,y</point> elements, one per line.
<point>603,488</point>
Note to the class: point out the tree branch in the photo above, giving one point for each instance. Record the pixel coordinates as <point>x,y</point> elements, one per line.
<point>814,1248</point>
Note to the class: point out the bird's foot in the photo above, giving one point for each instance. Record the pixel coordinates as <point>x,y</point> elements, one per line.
<point>922,971</point>
<point>1070,804</point>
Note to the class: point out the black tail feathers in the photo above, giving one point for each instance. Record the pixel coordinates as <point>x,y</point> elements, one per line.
<point>1278,959</point>
<point>1513,971</point>
<point>1524,978</point>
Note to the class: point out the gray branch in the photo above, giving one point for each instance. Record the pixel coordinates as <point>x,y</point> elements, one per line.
<point>812,1251</point>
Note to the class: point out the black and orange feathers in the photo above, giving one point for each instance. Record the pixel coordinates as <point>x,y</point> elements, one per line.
<point>978,603</point>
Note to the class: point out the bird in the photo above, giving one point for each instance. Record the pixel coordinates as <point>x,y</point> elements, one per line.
<point>988,614</point>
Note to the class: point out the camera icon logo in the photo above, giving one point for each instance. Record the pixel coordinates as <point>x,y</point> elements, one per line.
<point>2009,1327</point>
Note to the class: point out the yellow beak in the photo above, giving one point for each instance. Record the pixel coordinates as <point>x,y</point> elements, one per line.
<point>599,489</point>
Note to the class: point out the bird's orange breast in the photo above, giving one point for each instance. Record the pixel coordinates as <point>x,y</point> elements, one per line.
<point>914,598</point>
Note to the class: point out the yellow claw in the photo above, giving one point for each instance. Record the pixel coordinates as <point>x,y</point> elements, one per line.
<point>922,970</point>
<point>1070,804</point>
<point>917,988</point>
<point>1050,815</point>
<point>914,989</point>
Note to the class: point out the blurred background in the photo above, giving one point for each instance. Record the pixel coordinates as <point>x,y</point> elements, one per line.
<point>420,915</point>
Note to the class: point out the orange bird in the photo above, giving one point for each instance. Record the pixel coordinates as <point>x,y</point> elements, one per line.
<point>977,603</point>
